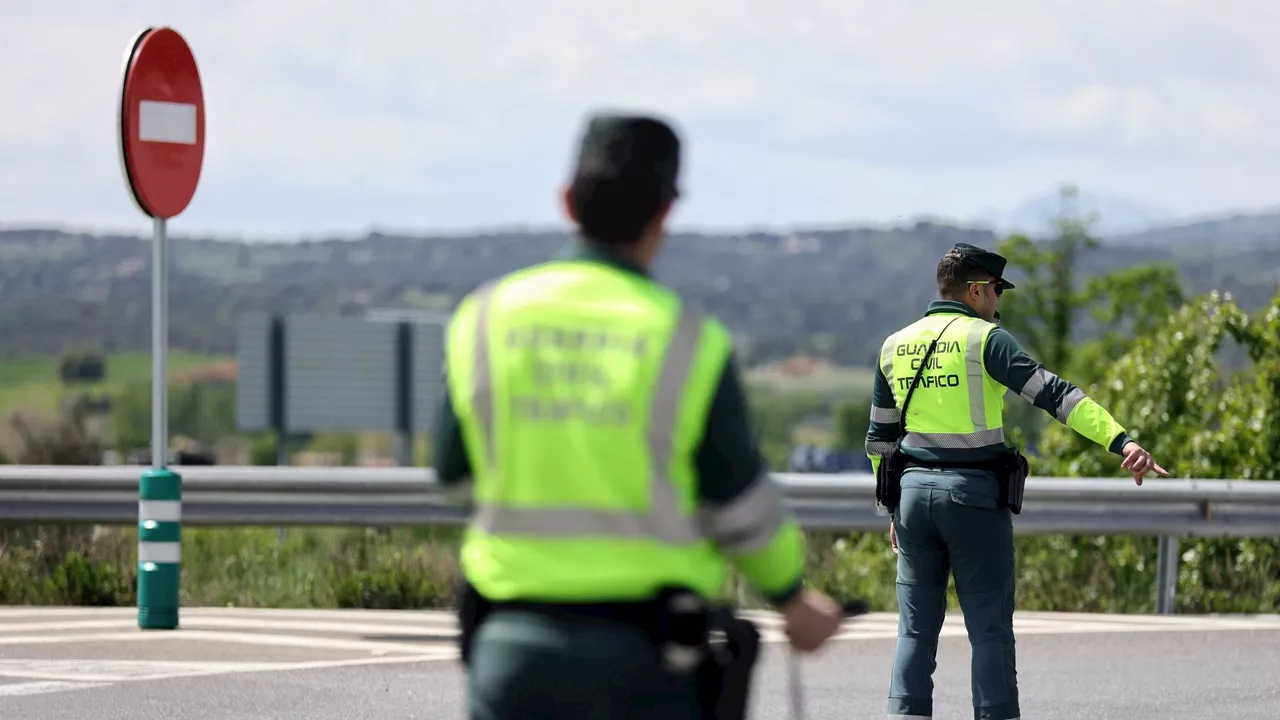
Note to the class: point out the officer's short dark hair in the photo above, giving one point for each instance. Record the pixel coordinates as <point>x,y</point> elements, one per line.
<point>626,172</point>
<point>955,272</point>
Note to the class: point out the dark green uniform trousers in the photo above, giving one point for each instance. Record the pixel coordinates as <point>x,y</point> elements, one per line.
<point>949,523</point>
<point>533,667</point>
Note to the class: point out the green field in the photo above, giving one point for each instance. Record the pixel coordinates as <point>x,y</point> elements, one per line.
<point>843,381</point>
<point>32,385</point>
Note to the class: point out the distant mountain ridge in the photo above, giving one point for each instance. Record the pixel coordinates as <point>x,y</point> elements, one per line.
<point>831,293</point>
<point>1116,216</point>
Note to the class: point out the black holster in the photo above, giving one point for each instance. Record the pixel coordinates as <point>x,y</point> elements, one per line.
<point>724,678</point>
<point>472,610</point>
<point>889,478</point>
<point>1012,471</point>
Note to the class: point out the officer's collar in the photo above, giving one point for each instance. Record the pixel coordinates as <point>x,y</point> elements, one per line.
<point>582,249</point>
<point>950,306</point>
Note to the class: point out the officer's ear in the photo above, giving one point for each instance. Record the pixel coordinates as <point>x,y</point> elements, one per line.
<point>566,200</point>
<point>974,291</point>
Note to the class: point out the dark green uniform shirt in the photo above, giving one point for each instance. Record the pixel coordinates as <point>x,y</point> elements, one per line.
<point>1008,364</point>
<point>728,460</point>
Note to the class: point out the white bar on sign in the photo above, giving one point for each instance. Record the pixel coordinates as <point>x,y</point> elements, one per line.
<point>159,552</point>
<point>167,122</point>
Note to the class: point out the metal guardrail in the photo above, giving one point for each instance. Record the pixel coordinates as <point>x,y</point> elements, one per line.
<point>342,496</point>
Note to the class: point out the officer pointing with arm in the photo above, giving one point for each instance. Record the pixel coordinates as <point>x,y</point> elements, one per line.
<point>601,421</point>
<point>951,483</point>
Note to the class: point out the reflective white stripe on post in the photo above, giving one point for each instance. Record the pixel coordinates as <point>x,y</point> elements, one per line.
<point>160,510</point>
<point>159,552</point>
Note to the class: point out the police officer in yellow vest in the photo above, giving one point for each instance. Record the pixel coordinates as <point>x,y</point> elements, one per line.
<point>958,483</point>
<point>601,421</point>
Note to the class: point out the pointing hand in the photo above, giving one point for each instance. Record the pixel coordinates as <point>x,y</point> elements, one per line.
<point>1139,462</point>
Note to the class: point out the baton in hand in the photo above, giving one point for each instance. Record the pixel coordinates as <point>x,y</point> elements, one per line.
<point>851,609</point>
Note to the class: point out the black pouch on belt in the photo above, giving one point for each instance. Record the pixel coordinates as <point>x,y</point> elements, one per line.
<point>725,676</point>
<point>1011,474</point>
<point>472,608</point>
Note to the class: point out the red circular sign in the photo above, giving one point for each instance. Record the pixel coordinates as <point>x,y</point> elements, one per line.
<point>161,122</point>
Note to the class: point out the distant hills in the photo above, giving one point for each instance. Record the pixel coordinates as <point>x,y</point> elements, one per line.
<point>834,293</point>
<point>1123,221</point>
<point>1115,216</point>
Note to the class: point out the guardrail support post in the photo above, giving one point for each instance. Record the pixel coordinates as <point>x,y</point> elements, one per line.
<point>159,548</point>
<point>1166,574</point>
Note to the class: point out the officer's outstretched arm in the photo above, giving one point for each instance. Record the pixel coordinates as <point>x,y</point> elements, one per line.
<point>1012,367</point>
<point>884,429</point>
<point>744,508</point>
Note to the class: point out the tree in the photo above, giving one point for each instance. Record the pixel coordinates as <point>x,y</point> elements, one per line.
<point>82,367</point>
<point>1045,310</point>
<point>1198,422</point>
<point>851,422</point>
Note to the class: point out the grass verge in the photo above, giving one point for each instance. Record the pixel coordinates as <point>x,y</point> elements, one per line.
<point>417,568</point>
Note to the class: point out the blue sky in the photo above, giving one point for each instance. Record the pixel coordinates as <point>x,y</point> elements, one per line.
<point>334,117</point>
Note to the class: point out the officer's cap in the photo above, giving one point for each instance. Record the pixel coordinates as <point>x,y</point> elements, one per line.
<point>985,259</point>
<point>636,149</point>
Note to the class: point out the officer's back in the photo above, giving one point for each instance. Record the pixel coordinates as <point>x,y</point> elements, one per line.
<point>960,486</point>
<point>602,422</point>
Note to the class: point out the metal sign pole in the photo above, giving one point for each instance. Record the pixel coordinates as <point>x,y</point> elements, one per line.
<point>160,489</point>
<point>159,348</point>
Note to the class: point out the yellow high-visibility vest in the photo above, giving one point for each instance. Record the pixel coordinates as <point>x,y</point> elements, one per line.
<point>957,405</point>
<point>582,392</point>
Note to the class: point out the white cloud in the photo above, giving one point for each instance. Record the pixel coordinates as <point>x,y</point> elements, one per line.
<point>340,114</point>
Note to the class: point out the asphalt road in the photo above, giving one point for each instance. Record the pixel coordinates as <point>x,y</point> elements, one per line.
<point>93,664</point>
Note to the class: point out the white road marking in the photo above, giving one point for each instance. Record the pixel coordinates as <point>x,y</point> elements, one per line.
<point>319,643</point>
<point>333,630</point>
<point>110,670</point>
<point>434,617</point>
<point>44,687</point>
<point>330,629</point>
<point>193,621</point>
<point>79,674</point>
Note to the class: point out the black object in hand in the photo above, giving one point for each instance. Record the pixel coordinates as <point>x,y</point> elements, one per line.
<point>854,608</point>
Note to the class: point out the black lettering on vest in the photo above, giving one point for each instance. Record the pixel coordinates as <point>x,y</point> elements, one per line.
<point>554,410</point>
<point>935,363</point>
<point>945,347</point>
<point>537,336</point>
<point>547,373</point>
<point>930,381</point>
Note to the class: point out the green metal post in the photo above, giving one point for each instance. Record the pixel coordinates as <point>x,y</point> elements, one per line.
<point>159,548</point>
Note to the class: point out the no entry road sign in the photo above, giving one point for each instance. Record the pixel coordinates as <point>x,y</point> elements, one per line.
<point>161,139</point>
<point>161,122</point>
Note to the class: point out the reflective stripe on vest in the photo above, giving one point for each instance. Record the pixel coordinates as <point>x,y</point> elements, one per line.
<point>975,377</point>
<point>747,523</point>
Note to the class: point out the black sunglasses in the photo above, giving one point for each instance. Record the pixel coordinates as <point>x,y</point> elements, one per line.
<point>998,283</point>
